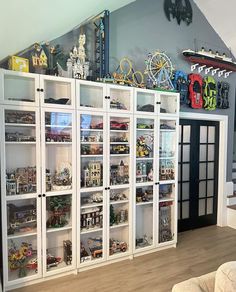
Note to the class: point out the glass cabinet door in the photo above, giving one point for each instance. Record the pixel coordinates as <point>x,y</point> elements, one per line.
<point>144,181</point>
<point>58,149</point>
<point>91,95</point>
<point>20,189</point>
<point>19,88</point>
<point>145,101</point>
<point>169,103</point>
<point>91,226</point>
<point>91,223</point>
<point>167,150</point>
<point>119,222</point>
<point>120,98</point>
<point>57,92</point>
<point>120,150</point>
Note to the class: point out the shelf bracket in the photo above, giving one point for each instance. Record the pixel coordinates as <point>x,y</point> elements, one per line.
<point>194,66</point>
<point>227,74</point>
<point>213,72</point>
<point>201,68</point>
<point>208,69</point>
<point>220,73</point>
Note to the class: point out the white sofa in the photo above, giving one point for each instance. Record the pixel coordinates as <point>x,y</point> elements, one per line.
<point>223,280</point>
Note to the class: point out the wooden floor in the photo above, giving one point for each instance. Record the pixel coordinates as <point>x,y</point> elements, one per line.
<point>198,252</point>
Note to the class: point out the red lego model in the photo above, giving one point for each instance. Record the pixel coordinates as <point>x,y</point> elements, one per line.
<point>195,90</point>
<point>118,126</point>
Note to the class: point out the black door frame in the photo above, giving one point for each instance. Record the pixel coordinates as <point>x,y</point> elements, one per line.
<point>194,220</point>
<point>223,138</point>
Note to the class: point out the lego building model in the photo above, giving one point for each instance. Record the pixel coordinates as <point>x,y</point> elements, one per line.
<point>21,218</point>
<point>22,180</point>
<point>118,216</point>
<point>62,178</point>
<point>167,170</point>
<point>119,173</point>
<point>144,171</point>
<point>92,174</point>
<point>67,244</point>
<point>91,218</point>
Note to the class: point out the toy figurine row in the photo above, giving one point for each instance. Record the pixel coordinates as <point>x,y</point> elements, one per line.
<point>201,92</point>
<point>165,230</point>
<point>94,248</point>
<point>24,258</point>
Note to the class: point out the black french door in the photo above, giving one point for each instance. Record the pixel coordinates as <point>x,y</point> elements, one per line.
<point>198,174</point>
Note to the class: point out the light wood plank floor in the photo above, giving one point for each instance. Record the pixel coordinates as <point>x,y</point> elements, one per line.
<point>198,252</point>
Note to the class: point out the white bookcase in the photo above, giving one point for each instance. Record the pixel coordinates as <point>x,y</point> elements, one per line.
<point>88,174</point>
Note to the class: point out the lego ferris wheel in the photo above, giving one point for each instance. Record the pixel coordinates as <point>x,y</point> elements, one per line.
<point>159,69</point>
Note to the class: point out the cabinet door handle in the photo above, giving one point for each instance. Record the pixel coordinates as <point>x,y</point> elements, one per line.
<point>108,188</point>
<point>39,196</point>
<point>38,89</point>
<point>41,90</point>
<point>105,189</point>
<point>44,195</point>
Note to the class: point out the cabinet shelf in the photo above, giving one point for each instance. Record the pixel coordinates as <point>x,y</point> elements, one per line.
<point>166,200</point>
<point>119,225</point>
<point>119,202</point>
<point>20,125</point>
<point>144,203</point>
<point>144,158</point>
<point>92,130</point>
<point>167,157</point>
<point>58,143</point>
<point>166,182</point>
<point>22,234</point>
<point>91,143</point>
<point>119,143</point>
<point>119,131</point>
<point>58,126</point>
<point>91,206</point>
<point>92,155</point>
<point>20,143</point>
<point>91,230</point>
<point>167,130</point>
<point>120,155</point>
<point>146,130</point>
<point>59,229</point>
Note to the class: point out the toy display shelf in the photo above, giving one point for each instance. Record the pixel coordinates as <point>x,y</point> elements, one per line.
<point>144,203</point>
<point>58,229</point>
<point>85,206</point>
<point>119,202</point>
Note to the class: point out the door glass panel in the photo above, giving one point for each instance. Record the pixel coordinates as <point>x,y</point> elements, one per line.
<point>18,88</point>
<point>58,151</point>
<point>201,206</point>
<point>91,247</point>
<point>120,99</point>
<point>211,134</point>
<point>92,145</point>
<point>168,104</point>
<point>203,134</point>
<point>179,211</point>
<point>211,152</point>
<point>166,192</point>
<point>185,191</point>
<point>91,96</point>
<point>20,137</point>
<point>59,249</point>
<point>185,210</point>
<point>186,134</point>
<point>144,226</point>
<point>202,170</point>
<point>210,206</point>
<point>210,188</point>
<point>166,232</point>
<point>180,132</point>
<point>210,172</point>
<point>22,257</point>
<point>203,152</point>
<point>186,153</point>
<point>145,102</point>
<point>22,217</point>
<point>120,151</point>
<point>57,92</point>
<point>202,189</point>
<point>185,172</point>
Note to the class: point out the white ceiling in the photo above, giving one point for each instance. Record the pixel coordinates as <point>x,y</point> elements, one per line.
<point>221,15</point>
<point>25,22</point>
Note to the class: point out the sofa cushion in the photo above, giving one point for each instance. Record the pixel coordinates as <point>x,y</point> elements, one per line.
<point>204,283</point>
<point>225,280</point>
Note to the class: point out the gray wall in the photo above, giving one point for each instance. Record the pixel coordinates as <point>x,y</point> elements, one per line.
<point>141,27</point>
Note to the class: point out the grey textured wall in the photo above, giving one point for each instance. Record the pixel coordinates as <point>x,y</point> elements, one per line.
<point>141,27</point>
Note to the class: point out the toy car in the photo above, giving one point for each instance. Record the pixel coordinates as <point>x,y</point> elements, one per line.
<point>114,125</point>
<point>32,264</point>
<point>195,90</point>
<point>119,149</point>
<point>117,246</point>
<point>144,126</point>
<point>52,261</point>
<point>117,105</point>
<point>146,108</point>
